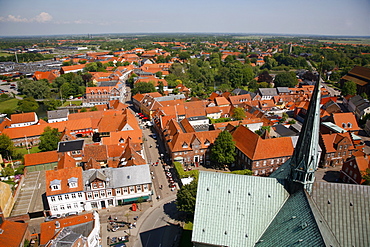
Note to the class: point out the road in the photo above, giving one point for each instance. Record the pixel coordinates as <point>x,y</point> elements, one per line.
<point>159,229</point>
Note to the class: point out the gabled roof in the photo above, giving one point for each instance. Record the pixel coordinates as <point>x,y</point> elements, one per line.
<point>256,148</point>
<point>69,146</point>
<point>66,161</point>
<point>343,207</point>
<point>342,120</point>
<point>40,158</point>
<point>12,233</point>
<point>98,152</point>
<point>236,224</point>
<point>48,229</point>
<point>23,117</point>
<point>63,175</point>
<point>221,101</point>
<point>63,113</point>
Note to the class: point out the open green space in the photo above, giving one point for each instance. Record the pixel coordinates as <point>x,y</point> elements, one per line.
<point>9,104</point>
<point>24,151</point>
<point>4,54</point>
<point>359,41</point>
<point>72,103</point>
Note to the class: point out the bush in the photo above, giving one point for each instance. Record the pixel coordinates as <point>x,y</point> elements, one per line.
<point>184,174</point>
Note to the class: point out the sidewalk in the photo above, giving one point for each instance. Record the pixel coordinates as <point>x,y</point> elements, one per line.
<point>124,213</point>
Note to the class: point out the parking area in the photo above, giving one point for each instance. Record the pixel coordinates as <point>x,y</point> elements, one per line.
<point>30,199</point>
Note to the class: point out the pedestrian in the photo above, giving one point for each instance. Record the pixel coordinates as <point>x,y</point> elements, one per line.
<point>110,217</point>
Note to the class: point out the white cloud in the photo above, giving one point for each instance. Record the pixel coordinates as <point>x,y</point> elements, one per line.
<point>42,17</point>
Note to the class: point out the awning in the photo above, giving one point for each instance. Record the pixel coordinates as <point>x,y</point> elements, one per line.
<point>135,199</point>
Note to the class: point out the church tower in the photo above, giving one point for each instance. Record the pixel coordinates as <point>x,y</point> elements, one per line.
<point>304,161</point>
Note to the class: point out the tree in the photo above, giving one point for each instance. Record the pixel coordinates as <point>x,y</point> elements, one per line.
<point>28,105</point>
<point>349,88</point>
<point>36,89</point>
<point>285,79</point>
<point>91,67</point>
<point>366,176</point>
<point>186,197</point>
<point>49,139</point>
<point>223,150</point>
<point>264,76</point>
<point>6,146</point>
<point>160,88</point>
<point>238,113</point>
<point>52,104</point>
<point>143,87</point>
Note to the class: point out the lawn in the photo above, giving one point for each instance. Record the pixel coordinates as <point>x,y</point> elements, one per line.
<point>24,151</point>
<point>75,102</point>
<point>9,104</point>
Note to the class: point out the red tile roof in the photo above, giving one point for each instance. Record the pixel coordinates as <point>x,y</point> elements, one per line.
<point>64,175</point>
<point>342,120</point>
<point>13,233</point>
<point>48,229</point>
<point>256,148</point>
<point>23,117</point>
<point>40,158</point>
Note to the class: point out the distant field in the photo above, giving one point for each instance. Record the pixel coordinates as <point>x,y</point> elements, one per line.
<point>3,54</point>
<point>359,41</point>
<point>9,104</point>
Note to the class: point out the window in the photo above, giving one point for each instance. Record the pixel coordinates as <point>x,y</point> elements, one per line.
<point>61,207</point>
<point>340,147</point>
<point>109,192</point>
<point>125,190</point>
<point>355,176</point>
<point>257,164</point>
<point>55,187</point>
<point>73,196</point>
<point>52,198</point>
<point>138,187</point>
<point>79,194</point>
<point>110,202</point>
<point>145,187</point>
<point>69,206</point>
<point>75,205</point>
<point>272,162</point>
<point>344,153</point>
<point>350,163</point>
<point>350,172</point>
<point>94,204</point>
<point>60,198</point>
<point>55,208</point>
<point>118,191</point>
<point>349,125</point>
<point>89,195</point>
<point>66,197</point>
<point>102,193</point>
<point>132,189</point>
<point>255,172</point>
<point>264,163</point>
<point>96,194</point>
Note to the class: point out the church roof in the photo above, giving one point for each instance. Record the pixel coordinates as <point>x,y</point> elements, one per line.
<point>242,208</point>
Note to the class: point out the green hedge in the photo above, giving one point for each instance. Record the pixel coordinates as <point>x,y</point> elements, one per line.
<point>184,174</point>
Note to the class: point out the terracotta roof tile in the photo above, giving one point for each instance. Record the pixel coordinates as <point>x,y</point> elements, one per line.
<point>48,229</point>
<point>63,175</point>
<point>98,152</point>
<point>40,158</point>
<point>23,117</point>
<point>12,233</point>
<point>256,148</point>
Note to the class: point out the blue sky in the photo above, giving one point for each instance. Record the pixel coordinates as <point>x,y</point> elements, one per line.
<point>50,17</point>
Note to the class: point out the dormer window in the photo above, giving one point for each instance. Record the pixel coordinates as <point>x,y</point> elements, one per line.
<point>349,125</point>
<point>207,143</point>
<point>72,182</point>
<point>343,125</point>
<point>55,184</point>
<point>185,145</point>
<point>121,140</point>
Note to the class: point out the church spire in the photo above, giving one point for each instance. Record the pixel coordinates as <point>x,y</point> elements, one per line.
<point>306,156</point>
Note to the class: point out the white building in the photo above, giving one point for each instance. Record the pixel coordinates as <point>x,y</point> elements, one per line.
<point>23,119</point>
<point>74,190</point>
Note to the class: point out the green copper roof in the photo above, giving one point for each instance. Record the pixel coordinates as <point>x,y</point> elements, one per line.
<point>295,225</point>
<point>235,210</point>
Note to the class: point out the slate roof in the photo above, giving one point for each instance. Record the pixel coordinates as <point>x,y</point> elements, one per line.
<point>69,146</point>
<point>123,176</point>
<point>235,201</point>
<point>63,113</point>
<point>346,209</point>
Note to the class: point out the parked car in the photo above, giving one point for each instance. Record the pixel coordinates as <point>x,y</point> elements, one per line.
<point>52,217</point>
<point>71,214</point>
